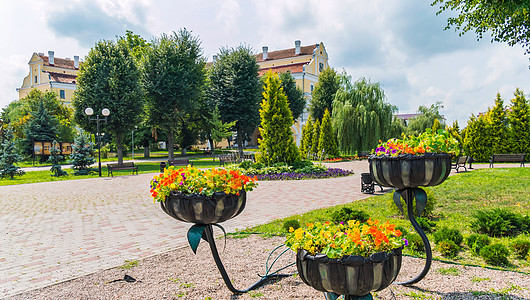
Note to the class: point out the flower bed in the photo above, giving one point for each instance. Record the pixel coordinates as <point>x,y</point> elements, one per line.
<point>344,158</point>
<point>329,173</point>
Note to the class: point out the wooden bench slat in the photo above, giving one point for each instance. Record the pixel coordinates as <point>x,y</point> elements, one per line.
<point>123,166</point>
<point>511,157</point>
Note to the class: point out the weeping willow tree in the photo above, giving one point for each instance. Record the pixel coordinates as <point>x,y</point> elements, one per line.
<point>361,116</point>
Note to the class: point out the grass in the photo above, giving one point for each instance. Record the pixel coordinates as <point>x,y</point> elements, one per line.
<point>457,198</point>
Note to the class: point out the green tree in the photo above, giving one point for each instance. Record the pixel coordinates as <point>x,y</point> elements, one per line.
<point>425,119</point>
<point>361,116</point>
<point>9,157</point>
<point>295,96</point>
<point>436,126</point>
<point>327,142</point>
<point>519,119</point>
<point>498,127</point>
<point>454,131</point>
<point>109,78</point>
<point>174,77</point>
<point>42,128</point>
<point>324,93</point>
<point>315,137</point>
<point>476,139</point>
<point>55,159</point>
<point>235,88</point>
<point>307,138</point>
<point>81,157</point>
<point>277,143</point>
<point>506,21</point>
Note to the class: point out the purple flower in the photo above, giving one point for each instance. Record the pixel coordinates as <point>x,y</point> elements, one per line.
<point>406,242</point>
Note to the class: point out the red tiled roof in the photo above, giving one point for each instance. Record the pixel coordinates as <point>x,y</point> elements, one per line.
<point>294,68</point>
<point>59,62</point>
<point>304,50</point>
<point>62,78</point>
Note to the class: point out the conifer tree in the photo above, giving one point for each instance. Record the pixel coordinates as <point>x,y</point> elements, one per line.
<point>519,119</point>
<point>476,141</point>
<point>9,157</point>
<point>43,128</point>
<point>315,138</point>
<point>327,144</point>
<point>277,143</point>
<point>54,159</point>
<point>497,122</point>
<point>436,126</point>
<point>454,131</point>
<point>81,156</point>
<point>307,135</point>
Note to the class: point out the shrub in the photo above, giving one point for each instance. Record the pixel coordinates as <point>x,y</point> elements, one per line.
<point>476,242</point>
<point>497,222</point>
<point>429,208</point>
<point>448,248</point>
<point>426,224</point>
<point>415,243</point>
<point>521,247</point>
<point>448,234</point>
<point>345,214</point>
<point>291,223</point>
<point>495,254</point>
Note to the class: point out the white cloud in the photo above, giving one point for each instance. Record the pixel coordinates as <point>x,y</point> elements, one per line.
<point>228,16</point>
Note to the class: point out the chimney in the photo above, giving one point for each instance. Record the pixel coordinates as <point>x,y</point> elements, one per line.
<point>265,53</point>
<point>76,61</point>
<point>215,58</point>
<point>297,47</point>
<point>50,57</point>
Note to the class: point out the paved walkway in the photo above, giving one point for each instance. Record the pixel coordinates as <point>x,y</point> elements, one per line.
<point>55,231</point>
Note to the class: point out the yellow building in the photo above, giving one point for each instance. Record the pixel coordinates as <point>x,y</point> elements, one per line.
<point>50,73</point>
<point>305,64</point>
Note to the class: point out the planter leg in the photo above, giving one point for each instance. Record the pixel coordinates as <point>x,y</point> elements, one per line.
<point>428,252</point>
<point>211,241</point>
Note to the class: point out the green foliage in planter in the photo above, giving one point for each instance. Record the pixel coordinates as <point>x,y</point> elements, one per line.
<point>426,224</point>
<point>521,247</point>
<point>476,242</point>
<point>344,214</point>
<point>498,222</point>
<point>291,223</point>
<point>448,234</point>
<point>415,243</point>
<point>429,208</point>
<point>403,230</point>
<point>448,248</point>
<point>495,254</point>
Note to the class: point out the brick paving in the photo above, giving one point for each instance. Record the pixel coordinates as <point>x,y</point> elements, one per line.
<point>55,231</point>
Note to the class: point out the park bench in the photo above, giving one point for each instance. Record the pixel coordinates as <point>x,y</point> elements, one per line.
<point>123,166</point>
<point>460,163</point>
<point>175,162</point>
<point>519,157</point>
<point>227,158</point>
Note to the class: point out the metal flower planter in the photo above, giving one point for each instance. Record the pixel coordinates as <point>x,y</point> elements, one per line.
<point>201,209</point>
<point>351,275</point>
<point>407,173</point>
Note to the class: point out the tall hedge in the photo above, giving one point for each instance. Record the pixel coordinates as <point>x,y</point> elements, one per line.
<point>519,120</point>
<point>327,142</point>
<point>315,137</point>
<point>277,143</point>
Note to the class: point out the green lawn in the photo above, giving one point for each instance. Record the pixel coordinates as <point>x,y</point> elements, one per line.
<point>456,201</point>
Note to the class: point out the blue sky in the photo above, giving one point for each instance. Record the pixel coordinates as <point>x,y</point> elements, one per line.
<point>401,44</point>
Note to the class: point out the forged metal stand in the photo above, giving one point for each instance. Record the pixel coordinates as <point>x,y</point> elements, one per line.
<point>208,231</point>
<point>409,197</point>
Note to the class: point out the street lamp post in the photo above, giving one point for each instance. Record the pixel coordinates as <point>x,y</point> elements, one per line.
<point>105,112</point>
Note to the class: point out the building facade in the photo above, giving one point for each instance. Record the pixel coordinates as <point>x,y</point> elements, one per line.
<point>50,73</point>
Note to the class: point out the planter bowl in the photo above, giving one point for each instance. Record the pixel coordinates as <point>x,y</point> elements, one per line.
<point>201,209</point>
<point>352,275</point>
<point>410,171</point>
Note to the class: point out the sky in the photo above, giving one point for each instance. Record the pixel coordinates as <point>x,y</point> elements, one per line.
<point>400,44</point>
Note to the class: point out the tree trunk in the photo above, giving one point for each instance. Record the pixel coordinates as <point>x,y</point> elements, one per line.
<point>146,151</point>
<point>170,145</point>
<point>183,151</point>
<point>212,146</point>
<point>240,142</point>
<point>119,148</point>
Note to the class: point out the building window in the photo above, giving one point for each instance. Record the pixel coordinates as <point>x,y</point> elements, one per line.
<point>61,94</point>
<point>312,87</point>
<point>35,79</point>
<point>321,67</point>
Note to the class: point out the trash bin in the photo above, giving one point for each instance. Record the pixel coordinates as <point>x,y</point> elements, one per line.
<point>162,166</point>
